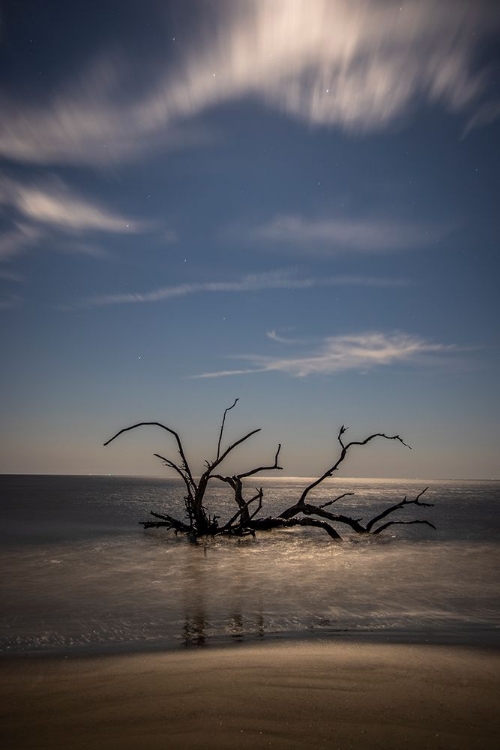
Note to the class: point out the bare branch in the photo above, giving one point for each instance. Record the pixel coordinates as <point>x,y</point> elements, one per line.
<point>155,524</point>
<point>396,507</point>
<point>166,520</point>
<point>339,436</point>
<point>258,497</point>
<point>315,510</point>
<point>185,464</point>
<point>222,425</point>
<point>227,526</point>
<point>243,509</point>
<point>329,472</point>
<point>330,502</point>
<point>402,523</point>
<point>416,501</point>
<point>201,487</point>
<point>179,471</point>
<point>232,447</point>
<point>199,522</point>
<point>375,435</point>
<point>227,480</point>
<point>283,523</point>
<point>263,468</point>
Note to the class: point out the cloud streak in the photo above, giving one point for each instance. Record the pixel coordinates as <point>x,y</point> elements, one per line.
<point>341,353</point>
<point>17,240</point>
<point>356,64</point>
<point>51,209</point>
<point>275,336</point>
<point>250,283</point>
<point>53,204</point>
<point>327,236</point>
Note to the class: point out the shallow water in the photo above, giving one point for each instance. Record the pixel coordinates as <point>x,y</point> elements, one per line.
<point>79,573</point>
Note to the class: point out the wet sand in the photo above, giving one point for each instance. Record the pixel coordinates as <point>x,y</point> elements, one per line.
<point>291,695</point>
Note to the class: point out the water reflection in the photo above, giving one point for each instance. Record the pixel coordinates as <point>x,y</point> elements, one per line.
<point>194,573</point>
<point>197,629</point>
<point>216,595</point>
<point>155,589</point>
<point>194,630</point>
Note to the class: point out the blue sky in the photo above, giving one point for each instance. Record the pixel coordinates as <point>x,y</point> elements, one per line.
<point>291,202</point>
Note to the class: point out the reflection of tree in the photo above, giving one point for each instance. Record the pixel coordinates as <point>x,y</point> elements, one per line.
<point>235,626</point>
<point>256,627</point>
<point>210,611</point>
<point>193,632</point>
<point>246,520</point>
<point>261,631</point>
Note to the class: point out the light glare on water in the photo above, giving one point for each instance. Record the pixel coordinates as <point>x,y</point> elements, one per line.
<point>100,588</point>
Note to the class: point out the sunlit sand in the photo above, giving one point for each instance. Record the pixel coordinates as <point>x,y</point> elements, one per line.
<point>291,695</point>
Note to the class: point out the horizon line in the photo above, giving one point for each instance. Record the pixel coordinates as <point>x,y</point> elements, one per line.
<point>274,478</point>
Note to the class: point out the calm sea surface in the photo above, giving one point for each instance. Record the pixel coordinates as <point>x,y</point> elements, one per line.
<point>79,573</point>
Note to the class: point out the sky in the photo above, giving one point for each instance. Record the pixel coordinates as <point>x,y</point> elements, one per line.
<point>290,202</point>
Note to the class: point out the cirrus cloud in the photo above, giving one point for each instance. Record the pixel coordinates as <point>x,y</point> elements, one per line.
<point>340,353</point>
<point>49,208</point>
<point>255,282</point>
<point>333,235</point>
<point>356,64</point>
<point>53,203</point>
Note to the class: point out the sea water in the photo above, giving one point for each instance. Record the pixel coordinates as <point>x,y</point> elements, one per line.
<point>80,574</point>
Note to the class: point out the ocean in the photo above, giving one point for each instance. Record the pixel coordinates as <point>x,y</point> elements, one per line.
<point>80,575</point>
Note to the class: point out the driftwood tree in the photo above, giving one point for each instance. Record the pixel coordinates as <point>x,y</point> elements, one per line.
<point>247,518</point>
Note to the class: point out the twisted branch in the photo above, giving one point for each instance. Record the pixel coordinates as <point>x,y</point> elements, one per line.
<point>344,450</point>
<point>263,468</point>
<point>284,523</point>
<point>330,502</point>
<point>179,471</point>
<point>185,465</point>
<point>302,513</point>
<point>234,445</point>
<point>397,506</point>
<point>169,521</point>
<point>222,425</point>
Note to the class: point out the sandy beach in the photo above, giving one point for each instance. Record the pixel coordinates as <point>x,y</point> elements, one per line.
<point>291,695</point>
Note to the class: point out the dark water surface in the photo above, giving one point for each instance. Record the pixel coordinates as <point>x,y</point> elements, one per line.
<point>79,573</point>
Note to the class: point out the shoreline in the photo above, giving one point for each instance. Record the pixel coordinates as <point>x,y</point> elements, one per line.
<point>472,637</point>
<point>289,694</point>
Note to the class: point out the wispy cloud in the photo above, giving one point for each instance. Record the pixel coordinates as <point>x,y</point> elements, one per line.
<point>249,283</point>
<point>51,208</point>
<point>356,64</point>
<point>96,119</point>
<point>275,336</point>
<point>61,210</point>
<point>352,63</point>
<point>336,235</point>
<point>348,352</point>
<point>484,115</point>
<point>17,240</point>
<point>53,203</point>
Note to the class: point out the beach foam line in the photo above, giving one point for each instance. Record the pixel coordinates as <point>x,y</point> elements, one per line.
<point>292,695</point>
